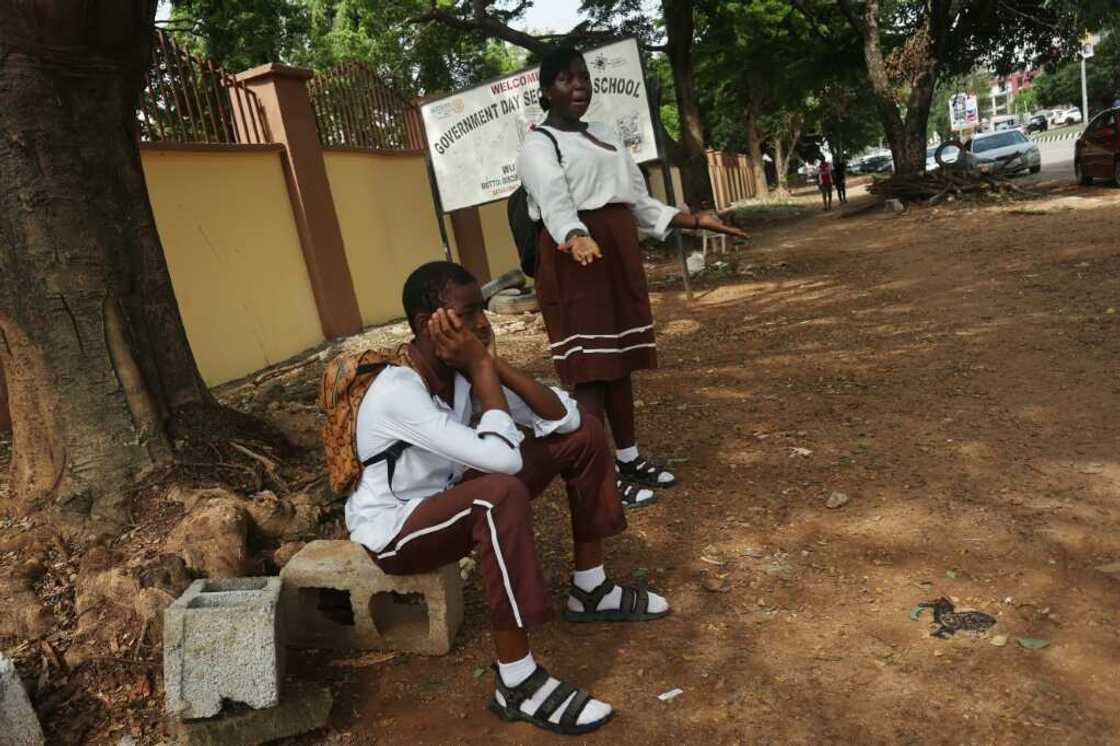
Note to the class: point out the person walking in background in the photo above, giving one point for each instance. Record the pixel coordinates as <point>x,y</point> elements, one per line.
<point>591,197</point>
<point>824,181</point>
<point>840,177</point>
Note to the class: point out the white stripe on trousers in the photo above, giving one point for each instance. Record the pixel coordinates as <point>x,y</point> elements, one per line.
<point>635,330</point>
<point>493,539</point>
<point>616,351</point>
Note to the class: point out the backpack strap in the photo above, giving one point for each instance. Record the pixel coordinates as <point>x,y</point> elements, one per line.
<point>555,144</point>
<point>389,456</point>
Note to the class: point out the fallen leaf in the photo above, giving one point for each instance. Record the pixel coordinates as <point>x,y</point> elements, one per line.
<point>480,672</point>
<point>1111,569</point>
<point>951,574</point>
<point>925,587</point>
<point>670,695</point>
<point>999,640</point>
<point>1031,643</point>
<point>916,612</point>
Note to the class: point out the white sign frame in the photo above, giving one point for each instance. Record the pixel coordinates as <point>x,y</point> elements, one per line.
<point>473,136</point>
<point>969,110</point>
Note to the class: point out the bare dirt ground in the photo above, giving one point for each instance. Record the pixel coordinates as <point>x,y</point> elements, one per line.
<point>954,372</point>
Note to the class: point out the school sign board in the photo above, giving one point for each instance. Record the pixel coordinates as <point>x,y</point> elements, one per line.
<point>963,111</point>
<point>474,135</point>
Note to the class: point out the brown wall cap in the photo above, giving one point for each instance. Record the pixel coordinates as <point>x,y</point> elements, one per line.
<point>275,69</point>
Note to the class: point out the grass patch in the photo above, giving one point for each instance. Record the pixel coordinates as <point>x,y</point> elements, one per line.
<point>769,211</point>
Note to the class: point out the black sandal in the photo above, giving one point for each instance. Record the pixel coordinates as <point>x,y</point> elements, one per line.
<point>628,493</point>
<point>632,607</point>
<point>644,472</point>
<point>515,695</point>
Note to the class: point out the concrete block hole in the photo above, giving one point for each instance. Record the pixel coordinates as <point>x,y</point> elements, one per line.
<point>399,614</point>
<point>333,604</point>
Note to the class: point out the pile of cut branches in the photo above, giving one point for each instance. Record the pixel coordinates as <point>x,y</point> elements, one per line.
<point>965,178</point>
<point>937,186</point>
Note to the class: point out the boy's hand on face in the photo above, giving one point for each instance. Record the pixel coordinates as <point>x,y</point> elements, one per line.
<point>456,345</point>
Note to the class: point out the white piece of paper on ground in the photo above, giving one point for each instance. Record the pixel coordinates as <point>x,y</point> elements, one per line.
<point>669,695</point>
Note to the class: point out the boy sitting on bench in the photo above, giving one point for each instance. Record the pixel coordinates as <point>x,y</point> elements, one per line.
<point>446,487</point>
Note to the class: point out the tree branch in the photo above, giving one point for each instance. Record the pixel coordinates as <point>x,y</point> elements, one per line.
<point>482,23</point>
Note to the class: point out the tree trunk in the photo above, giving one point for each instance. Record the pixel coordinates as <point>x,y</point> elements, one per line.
<point>754,149</point>
<point>91,341</point>
<point>906,137</point>
<point>679,30</point>
<point>783,153</point>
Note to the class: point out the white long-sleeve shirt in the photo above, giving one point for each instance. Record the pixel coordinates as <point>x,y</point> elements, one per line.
<point>399,407</point>
<point>590,177</point>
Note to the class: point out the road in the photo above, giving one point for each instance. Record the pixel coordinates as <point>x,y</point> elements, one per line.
<point>1057,161</point>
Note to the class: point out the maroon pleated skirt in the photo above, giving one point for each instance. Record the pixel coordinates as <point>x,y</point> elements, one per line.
<point>599,323</point>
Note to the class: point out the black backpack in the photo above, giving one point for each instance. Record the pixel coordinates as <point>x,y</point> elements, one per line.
<point>525,230</point>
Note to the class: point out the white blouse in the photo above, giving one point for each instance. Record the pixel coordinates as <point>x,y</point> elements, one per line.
<point>591,177</point>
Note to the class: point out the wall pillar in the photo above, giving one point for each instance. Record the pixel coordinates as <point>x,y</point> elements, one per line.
<point>282,92</point>
<point>466,224</point>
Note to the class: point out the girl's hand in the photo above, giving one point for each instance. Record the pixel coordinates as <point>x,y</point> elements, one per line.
<point>712,223</point>
<point>583,249</point>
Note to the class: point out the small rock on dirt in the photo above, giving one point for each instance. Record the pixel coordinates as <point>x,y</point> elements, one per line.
<point>285,552</point>
<point>999,640</point>
<point>716,583</point>
<point>1112,568</point>
<point>836,500</point>
<point>211,540</point>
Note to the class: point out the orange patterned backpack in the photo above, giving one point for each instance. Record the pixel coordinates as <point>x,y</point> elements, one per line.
<point>345,381</point>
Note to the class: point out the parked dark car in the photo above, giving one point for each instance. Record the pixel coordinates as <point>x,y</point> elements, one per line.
<point>1037,123</point>
<point>877,164</point>
<point>1096,153</point>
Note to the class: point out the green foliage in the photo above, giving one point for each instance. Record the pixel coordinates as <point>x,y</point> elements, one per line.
<point>1062,86</point>
<point>240,34</point>
<point>416,58</point>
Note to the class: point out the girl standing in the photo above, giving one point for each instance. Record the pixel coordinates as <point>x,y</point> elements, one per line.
<point>590,281</point>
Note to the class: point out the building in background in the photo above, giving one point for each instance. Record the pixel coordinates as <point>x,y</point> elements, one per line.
<point>1004,89</point>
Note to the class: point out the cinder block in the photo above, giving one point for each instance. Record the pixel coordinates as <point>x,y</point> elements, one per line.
<point>18,722</point>
<point>220,642</point>
<point>335,597</point>
<point>303,708</point>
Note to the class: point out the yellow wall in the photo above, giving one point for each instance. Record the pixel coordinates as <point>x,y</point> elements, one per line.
<point>384,207</point>
<point>227,229</point>
<point>501,253</point>
<point>657,182</point>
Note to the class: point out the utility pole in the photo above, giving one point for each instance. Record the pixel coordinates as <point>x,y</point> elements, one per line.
<point>1087,51</point>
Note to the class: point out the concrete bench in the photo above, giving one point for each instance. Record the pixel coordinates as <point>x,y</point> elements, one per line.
<point>334,597</point>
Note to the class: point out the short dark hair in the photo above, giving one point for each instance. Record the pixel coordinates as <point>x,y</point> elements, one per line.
<point>554,62</point>
<point>425,287</point>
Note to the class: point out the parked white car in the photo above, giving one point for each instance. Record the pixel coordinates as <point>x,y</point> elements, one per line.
<point>996,146</point>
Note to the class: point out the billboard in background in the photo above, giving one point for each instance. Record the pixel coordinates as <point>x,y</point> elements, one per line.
<point>474,135</point>
<point>963,111</point>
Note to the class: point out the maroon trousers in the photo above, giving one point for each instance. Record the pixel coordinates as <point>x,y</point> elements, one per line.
<point>491,512</point>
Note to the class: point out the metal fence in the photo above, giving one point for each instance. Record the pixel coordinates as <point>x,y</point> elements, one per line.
<point>731,177</point>
<point>190,100</point>
<point>355,109</point>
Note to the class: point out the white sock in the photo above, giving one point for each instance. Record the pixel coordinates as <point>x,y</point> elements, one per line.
<point>643,493</point>
<point>589,580</point>
<point>626,455</point>
<point>514,673</point>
